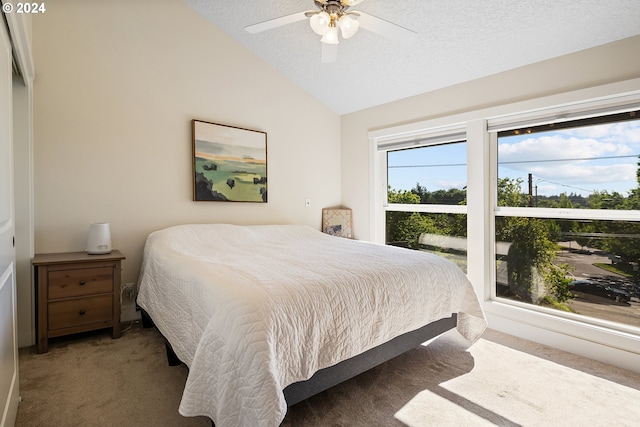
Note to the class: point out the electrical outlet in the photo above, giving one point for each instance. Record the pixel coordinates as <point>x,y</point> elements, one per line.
<point>128,292</point>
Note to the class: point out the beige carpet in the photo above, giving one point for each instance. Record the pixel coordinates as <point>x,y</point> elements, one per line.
<point>92,380</point>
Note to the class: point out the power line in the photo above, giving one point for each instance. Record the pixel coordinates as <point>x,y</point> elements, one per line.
<point>564,185</point>
<point>564,160</point>
<point>518,161</point>
<point>427,166</point>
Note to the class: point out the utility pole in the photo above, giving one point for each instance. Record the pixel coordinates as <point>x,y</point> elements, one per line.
<point>530,190</point>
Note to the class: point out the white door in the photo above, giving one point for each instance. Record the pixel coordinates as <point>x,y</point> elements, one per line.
<point>8,329</point>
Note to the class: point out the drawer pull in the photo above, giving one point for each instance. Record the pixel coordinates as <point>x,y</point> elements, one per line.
<point>82,312</point>
<point>82,282</point>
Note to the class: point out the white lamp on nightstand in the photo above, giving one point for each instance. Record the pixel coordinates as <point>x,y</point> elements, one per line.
<point>99,240</point>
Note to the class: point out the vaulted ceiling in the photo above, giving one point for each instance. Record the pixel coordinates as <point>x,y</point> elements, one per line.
<point>457,41</point>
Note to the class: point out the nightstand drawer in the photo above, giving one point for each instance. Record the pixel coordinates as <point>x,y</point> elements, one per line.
<point>81,311</point>
<point>80,282</point>
<point>76,292</point>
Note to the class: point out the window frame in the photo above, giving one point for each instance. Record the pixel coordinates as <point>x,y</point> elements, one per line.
<point>425,137</point>
<point>604,340</point>
<point>451,137</point>
<point>420,207</point>
<point>557,213</point>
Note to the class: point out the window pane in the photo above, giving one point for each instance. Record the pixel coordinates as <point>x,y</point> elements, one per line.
<point>585,165</point>
<point>436,174</point>
<point>442,234</point>
<point>585,267</point>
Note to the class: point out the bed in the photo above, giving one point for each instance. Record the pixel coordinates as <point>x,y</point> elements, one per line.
<point>264,316</point>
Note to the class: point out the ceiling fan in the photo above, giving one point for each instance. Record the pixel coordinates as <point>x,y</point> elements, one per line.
<point>333,15</point>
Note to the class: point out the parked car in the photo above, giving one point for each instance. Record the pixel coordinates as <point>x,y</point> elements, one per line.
<point>593,288</point>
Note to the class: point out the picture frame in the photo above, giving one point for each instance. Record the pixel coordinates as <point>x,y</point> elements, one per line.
<point>337,222</point>
<point>229,163</point>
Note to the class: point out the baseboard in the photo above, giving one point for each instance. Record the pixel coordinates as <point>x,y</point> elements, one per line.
<point>8,418</point>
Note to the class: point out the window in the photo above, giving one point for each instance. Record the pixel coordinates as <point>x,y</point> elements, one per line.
<point>557,167</point>
<point>437,174</point>
<point>590,163</point>
<point>586,262</point>
<point>426,198</point>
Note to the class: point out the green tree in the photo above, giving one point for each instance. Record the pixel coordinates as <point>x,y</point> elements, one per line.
<point>606,200</point>
<point>620,238</point>
<point>422,193</point>
<point>531,274</point>
<point>633,201</point>
<point>583,230</point>
<point>529,255</point>
<point>452,196</point>
<point>405,228</point>
<point>510,194</point>
<point>565,201</point>
<point>558,283</point>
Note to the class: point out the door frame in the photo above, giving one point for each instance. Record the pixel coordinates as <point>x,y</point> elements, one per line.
<point>18,226</point>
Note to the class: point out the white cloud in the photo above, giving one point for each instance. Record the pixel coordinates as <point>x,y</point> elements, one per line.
<point>558,147</point>
<point>572,173</point>
<point>579,159</point>
<point>619,133</point>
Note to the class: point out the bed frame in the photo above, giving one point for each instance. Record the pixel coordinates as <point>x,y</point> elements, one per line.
<point>334,375</point>
<point>340,372</point>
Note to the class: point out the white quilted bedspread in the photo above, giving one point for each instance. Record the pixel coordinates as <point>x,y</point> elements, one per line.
<point>252,309</point>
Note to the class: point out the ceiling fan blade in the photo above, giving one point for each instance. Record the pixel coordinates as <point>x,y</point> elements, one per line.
<point>386,28</point>
<point>275,23</point>
<point>329,53</point>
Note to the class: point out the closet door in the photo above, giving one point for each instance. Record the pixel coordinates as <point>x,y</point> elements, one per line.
<point>8,330</point>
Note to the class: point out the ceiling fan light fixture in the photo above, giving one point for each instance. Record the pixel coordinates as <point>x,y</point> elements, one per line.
<point>331,36</point>
<point>348,26</point>
<point>320,23</point>
<point>331,14</point>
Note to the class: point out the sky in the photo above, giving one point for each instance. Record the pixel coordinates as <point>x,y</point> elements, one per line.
<point>578,160</point>
<point>438,167</point>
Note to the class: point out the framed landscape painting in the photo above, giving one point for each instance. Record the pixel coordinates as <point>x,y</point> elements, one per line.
<point>229,163</point>
<point>337,222</point>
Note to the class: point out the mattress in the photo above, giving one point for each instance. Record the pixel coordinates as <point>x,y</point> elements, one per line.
<point>252,309</point>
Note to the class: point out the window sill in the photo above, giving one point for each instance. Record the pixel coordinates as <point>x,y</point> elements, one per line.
<point>619,346</point>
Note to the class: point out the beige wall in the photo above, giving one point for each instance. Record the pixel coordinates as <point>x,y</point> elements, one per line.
<point>117,83</point>
<point>605,64</point>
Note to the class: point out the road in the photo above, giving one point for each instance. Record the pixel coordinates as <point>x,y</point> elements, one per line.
<point>583,264</point>
<point>592,305</point>
<point>583,267</point>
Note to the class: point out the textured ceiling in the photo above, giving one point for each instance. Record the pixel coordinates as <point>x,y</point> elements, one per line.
<point>458,40</point>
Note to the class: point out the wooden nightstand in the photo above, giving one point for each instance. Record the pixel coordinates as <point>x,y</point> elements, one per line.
<point>76,292</point>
